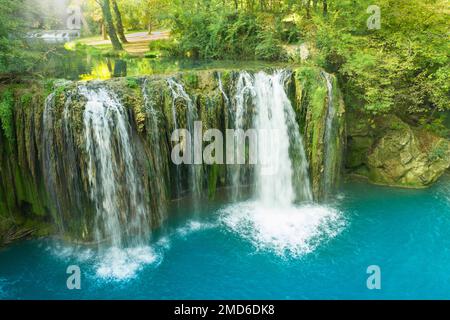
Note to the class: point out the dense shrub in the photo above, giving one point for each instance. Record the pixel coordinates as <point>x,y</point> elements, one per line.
<point>226,36</point>
<point>6,115</point>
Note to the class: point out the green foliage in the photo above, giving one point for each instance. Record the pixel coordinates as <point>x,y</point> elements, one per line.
<point>26,98</point>
<point>59,90</point>
<point>17,55</point>
<point>166,47</point>
<point>269,48</point>
<point>218,34</point>
<point>402,67</point>
<point>10,32</point>
<point>132,83</point>
<point>436,124</point>
<point>7,116</point>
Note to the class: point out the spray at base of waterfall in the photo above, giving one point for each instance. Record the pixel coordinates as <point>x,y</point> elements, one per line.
<point>121,264</point>
<point>288,232</point>
<point>116,264</point>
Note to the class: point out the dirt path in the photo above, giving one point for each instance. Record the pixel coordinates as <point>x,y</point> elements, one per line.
<point>138,42</point>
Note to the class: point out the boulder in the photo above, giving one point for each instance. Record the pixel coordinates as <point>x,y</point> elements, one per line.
<point>390,152</point>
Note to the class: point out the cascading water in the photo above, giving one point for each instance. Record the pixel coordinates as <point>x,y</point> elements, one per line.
<point>157,168</point>
<point>195,170</point>
<point>281,217</point>
<point>93,172</point>
<point>331,165</point>
<point>244,94</point>
<point>222,91</point>
<point>276,177</point>
<point>48,164</point>
<point>115,188</point>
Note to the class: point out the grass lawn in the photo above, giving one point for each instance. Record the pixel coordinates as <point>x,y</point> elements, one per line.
<point>138,42</point>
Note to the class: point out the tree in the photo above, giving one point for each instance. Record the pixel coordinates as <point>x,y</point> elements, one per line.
<point>401,67</point>
<point>15,55</point>
<point>308,8</point>
<point>119,23</point>
<point>110,28</point>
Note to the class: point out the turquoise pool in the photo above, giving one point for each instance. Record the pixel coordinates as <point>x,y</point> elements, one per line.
<point>241,251</point>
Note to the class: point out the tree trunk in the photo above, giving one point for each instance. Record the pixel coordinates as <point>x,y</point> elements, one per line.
<point>119,23</point>
<point>107,17</point>
<point>308,6</point>
<point>150,28</point>
<point>104,33</point>
<point>325,7</point>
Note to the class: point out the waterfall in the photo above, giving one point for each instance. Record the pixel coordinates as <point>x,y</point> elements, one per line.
<point>48,165</point>
<point>261,99</point>
<point>195,170</point>
<point>107,173</point>
<point>222,91</point>
<point>157,170</point>
<point>331,167</point>
<point>281,217</point>
<point>279,181</point>
<point>244,94</point>
<point>115,187</point>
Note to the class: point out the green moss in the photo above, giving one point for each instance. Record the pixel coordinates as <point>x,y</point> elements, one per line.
<point>439,151</point>
<point>59,91</point>
<point>7,115</point>
<point>49,86</point>
<point>191,79</point>
<point>26,98</point>
<point>212,181</point>
<point>132,83</point>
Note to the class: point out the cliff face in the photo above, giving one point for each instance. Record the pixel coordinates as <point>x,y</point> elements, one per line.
<point>322,115</point>
<point>390,152</point>
<point>23,197</point>
<point>82,150</point>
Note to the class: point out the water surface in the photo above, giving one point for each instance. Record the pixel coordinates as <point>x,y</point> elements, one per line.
<point>225,252</point>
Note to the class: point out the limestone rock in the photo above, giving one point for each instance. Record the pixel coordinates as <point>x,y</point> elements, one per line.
<point>399,155</point>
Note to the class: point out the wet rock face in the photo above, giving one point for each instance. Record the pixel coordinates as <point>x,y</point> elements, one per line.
<point>390,152</point>
<point>321,115</point>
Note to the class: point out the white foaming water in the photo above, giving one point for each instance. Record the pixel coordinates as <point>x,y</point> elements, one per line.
<point>275,176</point>
<point>178,92</point>
<point>244,94</point>
<point>116,190</point>
<point>67,252</point>
<point>123,264</point>
<point>194,226</point>
<point>273,221</point>
<point>288,232</point>
<point>330,135</point>
<point>222,91</point>
<point>114,264</point>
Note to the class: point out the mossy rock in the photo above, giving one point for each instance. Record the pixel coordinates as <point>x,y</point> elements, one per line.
<point>406,157</point>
